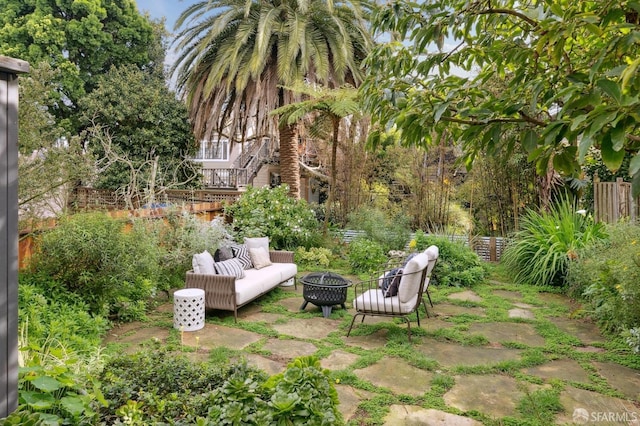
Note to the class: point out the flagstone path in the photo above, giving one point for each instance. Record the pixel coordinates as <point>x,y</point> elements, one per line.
<point>438,379</point>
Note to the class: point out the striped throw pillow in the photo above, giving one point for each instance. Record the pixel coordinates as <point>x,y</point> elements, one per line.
<point>230,267</point>
<point>241,252</point>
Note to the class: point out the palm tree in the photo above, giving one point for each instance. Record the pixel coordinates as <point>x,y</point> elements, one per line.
<point>238,55</point>
<point>328,108</point>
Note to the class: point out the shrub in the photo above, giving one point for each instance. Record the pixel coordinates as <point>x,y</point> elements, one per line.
<point>606,275</point>
<point>270,212</point>
<point>392,233</point>
<point>158,387</point>
<point>92,255</point>
<point>366,255</point>
<point>546,243</point>
<point>47,312</point>
<point>302,395</point>
<point>180,237</point>
<point>314,257</point>
<point>58,386</point>
<point>457,265</point>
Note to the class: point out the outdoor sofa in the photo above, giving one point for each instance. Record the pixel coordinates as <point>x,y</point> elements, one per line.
<point>235,277</point>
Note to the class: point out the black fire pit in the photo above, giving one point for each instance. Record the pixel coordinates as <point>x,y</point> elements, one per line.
<point>324,289</point>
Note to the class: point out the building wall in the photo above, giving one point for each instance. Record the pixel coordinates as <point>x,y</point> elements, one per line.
<point>9,68</point>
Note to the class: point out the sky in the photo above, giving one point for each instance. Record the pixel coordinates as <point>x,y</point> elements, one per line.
<point>169,9</point>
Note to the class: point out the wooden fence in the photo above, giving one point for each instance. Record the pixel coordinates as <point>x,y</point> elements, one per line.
<point>105,199</point>
<point>613,201</point>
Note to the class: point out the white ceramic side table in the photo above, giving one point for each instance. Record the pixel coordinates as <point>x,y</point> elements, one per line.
<point>188,309</point>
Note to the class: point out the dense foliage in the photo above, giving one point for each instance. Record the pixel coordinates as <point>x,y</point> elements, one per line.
<point>158,387</point>
<point>48,164</point>
<point>113,271</point>
<point>80,39</point>
<point>457,265</point>
<point>313,258</point>
<point>144,120</point>
<point>552,78</point>
<point>391,231</point>
<point>547,242</point>
<point>366,255</point>
<point>49,312</point>
<point>606,275</point>
<point>269,212</point>
<point>180,236</point>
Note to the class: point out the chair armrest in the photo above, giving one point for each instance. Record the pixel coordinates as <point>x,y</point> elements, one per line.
<point>281,256</point>
<point>360,287</point>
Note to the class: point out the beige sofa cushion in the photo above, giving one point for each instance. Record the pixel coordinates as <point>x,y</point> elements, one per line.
<point>259,257</point>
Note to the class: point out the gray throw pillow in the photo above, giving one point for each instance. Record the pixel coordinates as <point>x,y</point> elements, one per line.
<point>222,254</point>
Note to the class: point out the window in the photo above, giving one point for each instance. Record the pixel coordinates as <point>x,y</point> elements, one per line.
<point>214,150</point>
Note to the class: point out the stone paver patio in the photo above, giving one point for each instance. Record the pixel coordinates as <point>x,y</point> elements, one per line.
<point>483,383</point>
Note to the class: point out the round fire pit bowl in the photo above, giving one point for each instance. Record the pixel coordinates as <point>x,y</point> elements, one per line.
<point>324,289</point>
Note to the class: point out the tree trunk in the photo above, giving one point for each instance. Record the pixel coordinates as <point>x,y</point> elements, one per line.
<point>334,158</point>
<point>289,166</point>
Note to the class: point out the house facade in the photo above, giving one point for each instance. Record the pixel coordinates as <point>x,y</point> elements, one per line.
<point>228,166</point>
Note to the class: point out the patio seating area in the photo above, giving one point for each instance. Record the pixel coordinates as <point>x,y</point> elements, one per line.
<point>487,355</point>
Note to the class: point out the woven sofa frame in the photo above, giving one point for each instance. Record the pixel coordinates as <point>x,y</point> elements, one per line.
<point>220,290</point>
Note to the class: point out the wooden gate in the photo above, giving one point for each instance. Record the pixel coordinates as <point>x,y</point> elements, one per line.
<point>613,201</point>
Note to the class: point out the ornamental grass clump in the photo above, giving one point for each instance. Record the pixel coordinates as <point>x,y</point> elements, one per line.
<point>547,242</point>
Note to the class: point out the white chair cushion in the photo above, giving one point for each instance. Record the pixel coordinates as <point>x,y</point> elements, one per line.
<point>374,301</point>
<point>433,252</point>
<point>411,277</point>
<point>202,263</point>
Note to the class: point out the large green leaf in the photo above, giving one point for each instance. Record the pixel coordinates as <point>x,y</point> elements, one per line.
<point>565,162</point>
<point>635,185</point>
<point>634,165</point>
<point>46,384</point>
<point>529,141</point>
<point>38,400</point>
<point>611,88</point>
<point>611,158</point>
<point>618,136</point>
<point>73,405</point>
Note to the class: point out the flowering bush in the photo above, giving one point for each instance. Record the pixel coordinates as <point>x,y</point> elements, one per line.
<point>270,212</point>
<point>607,276</point>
